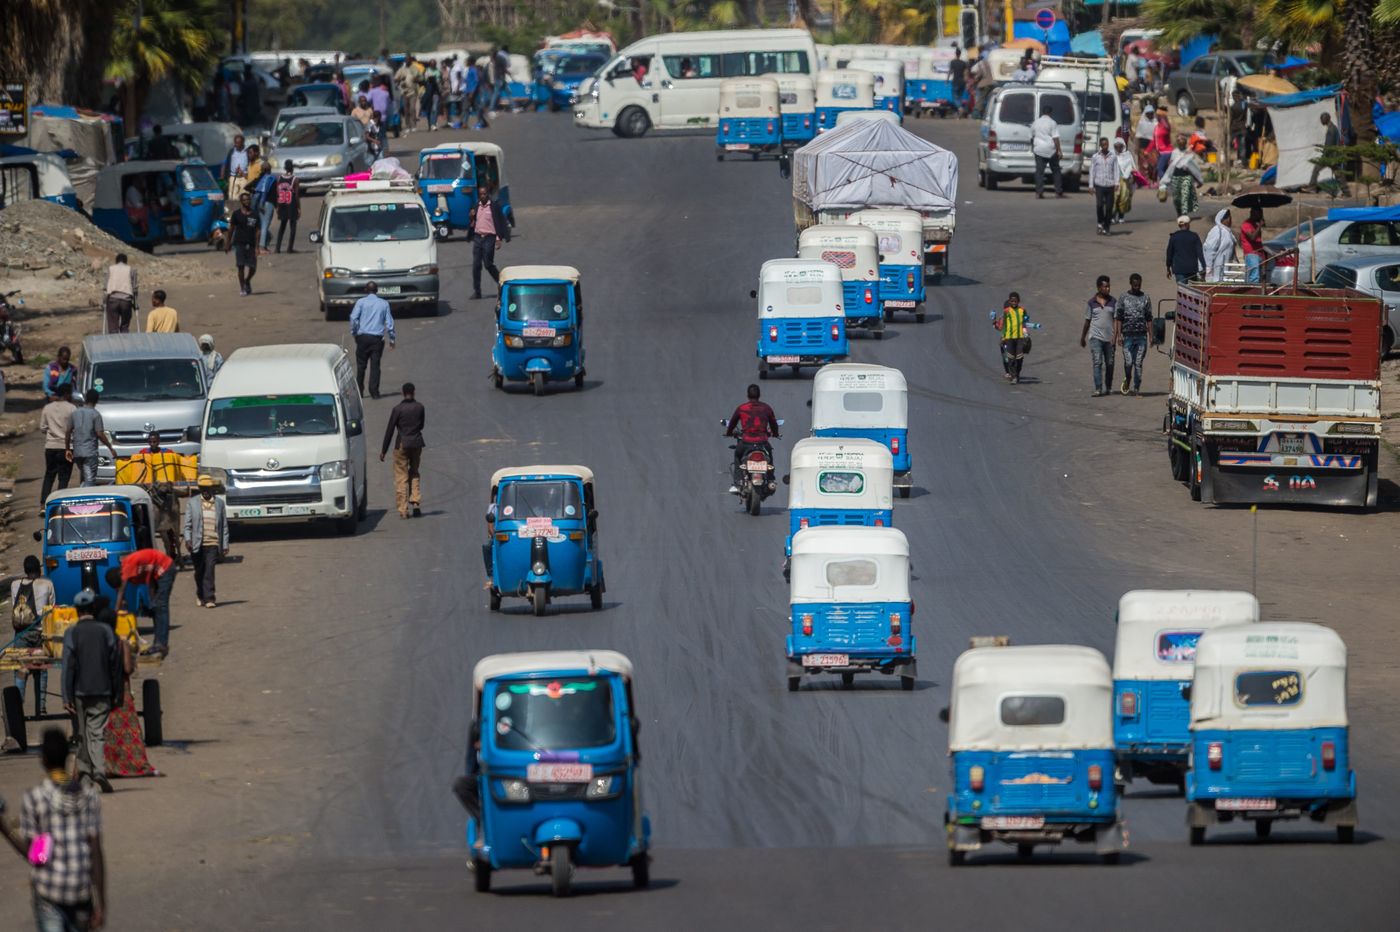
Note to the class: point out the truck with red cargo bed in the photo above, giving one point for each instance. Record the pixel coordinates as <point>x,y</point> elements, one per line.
<point>1275,395</point>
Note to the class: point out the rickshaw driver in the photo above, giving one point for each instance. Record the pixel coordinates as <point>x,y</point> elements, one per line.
<point>758,423</point>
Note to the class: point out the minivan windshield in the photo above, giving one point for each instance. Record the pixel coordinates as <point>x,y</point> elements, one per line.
<point>373,223</point>
<point>252,417</point>
<point>149,380</point>
<point>312,133</point>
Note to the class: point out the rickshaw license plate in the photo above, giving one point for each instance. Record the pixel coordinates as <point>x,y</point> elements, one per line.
<point>390,289</point>
<point>900,303</point>
<point>1291,444</point>
<point>1013,822</point>
<point>86,553</point>
<point>1245,805</point>
<point>439,189</point>
<point>827,660</point>
<point>537,332</point>
<point>737,147</point>
<point>559,773</point>
<point>782,360</point>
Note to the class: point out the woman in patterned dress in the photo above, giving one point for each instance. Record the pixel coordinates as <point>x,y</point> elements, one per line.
<point>125,750</point>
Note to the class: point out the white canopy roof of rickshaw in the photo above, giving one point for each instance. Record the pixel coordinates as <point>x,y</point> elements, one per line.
<point>862,81</point>
<point>546,661</point>
<point>52,172</point>
<point>879,219</point>
<point>214,138</point>
<point>794,81</point>
<point>812,456</point>
<point>111,179</point>
<point>765,88</point>
<point>1143,614</point>
<point>816,548</point>
<point>1314,652</point>
<point>516,273</point>
<point>135,493</point>
<point>874,163</point>
<point>984,676</point>
<point>791,271</point>
<point>517,472</point>
<point>818,239</point>
<point>890,69</point>
<point>834,381</point>
<point>847,117</point>
<point>781,281</point>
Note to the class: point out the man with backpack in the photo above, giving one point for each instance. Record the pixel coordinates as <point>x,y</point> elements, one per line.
<point>287,193</point>
<point>30,598</point>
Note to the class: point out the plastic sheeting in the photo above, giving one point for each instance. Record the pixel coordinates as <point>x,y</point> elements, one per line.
<point>871,163</point>
<point>1300,134</point>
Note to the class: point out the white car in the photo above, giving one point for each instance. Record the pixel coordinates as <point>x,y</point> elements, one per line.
<point>1314,244</point>
<point>1374,276</point>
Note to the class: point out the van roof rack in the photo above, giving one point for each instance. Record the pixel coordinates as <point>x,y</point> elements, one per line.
<point>1074,61</point>
<point>374,184</point>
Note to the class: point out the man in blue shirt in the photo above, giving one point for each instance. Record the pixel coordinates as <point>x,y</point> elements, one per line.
<point>370,323</point>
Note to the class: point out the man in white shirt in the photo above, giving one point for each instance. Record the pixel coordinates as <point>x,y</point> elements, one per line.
<point>458,79</point>
<point>1045,145</point>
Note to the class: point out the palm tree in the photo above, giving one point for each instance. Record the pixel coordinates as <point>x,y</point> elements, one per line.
<point>176,39</point>
<point>1359,66</point>
<point>1234,22</point>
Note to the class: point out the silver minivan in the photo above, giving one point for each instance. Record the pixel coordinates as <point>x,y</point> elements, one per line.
<point>1004,147</point>
<point>147,382</point>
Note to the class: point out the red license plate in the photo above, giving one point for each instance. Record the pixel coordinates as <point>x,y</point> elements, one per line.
<point>559,773</point>
<point>1246,805</point>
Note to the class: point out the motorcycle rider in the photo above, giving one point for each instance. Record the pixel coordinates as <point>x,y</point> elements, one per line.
<point>757,423</point>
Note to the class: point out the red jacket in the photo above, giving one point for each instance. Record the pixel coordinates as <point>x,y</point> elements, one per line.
<point>756,422</point>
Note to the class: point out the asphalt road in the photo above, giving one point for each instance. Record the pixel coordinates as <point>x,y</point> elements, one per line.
<point>316,765</point>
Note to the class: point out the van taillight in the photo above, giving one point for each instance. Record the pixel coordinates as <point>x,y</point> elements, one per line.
<point>835,332</point>
<point>1095,777</point>
<point>894,445</point>
<point>773,334</point>
<point>1215,755</point>
<point>807,625</point>
<point>1127,704</point>
<point>1329,756</point>
<point>976,779</point>
<point>1078,143</point>
<point>991,142</point>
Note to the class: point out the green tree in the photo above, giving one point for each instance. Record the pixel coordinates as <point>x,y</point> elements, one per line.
<point>1234,22</point>
<point>175,39</point>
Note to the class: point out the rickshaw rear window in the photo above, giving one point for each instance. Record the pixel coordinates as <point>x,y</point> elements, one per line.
<point>841,483</point>
<point>803,295</point>
<point>567,713</point>
<point>197,178</point>
<point>748,101</point>
<point>257,416</point>
<point>373,223</point>
<point>843,92</point>
<point>1032,710</point>
<point>863,401</point>
<point>1269,687</point>
<point>521,500</point>
<point>890,243</point>
<point>537,302</point>
<point>841,258</point>
<point>445,166</point>
<point>1177,646</point>
<point>787,98</point>
<point>851,573</point>
<point>87,523</point>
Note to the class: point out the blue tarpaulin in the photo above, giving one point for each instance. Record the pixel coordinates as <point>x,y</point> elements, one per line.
<point>1302,97</point>
<point>1376,214</point>
<point>1388,125</point>
<point>1056,38</point>
<point>1190,51</point>
<point>1089,43</point>
<point>1292,63</point>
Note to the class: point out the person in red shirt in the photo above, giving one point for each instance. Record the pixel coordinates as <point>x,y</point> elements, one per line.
<point>755,422</point>
<point>1252,242</point>
<point>155,570</point>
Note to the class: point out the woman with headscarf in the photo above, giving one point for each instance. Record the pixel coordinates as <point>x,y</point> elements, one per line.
<point>1219,247</point>
<point>1182,175</point>
<point>1127,168</point>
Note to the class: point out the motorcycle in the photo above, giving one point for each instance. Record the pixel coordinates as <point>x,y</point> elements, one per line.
<point>9,329</point>
<point>753,477</point>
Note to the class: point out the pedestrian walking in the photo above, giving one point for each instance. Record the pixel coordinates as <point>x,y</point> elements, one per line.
<point>265,206</point>
<point>119,296</point>
<point>380,98</point>
<point>1331,137</point>
<point>235,169</point>
<point>30,597</point>
<point>409,81</point>
<point>123,744</point>
<point>85,432</point>
<point>60,835</point>
<point>1045,145</point>
<point>213,359</point>
<point>1180,176</point>
<point>957,75</point>
<point>488,230</point>
<point>1162,141</point>
<point>243,226</point>
<point>163,318</point>
<point>59,372</point>
<point>475,90</point>
<point>1012,322</point>
<point>1252,244</point>
<point>457,83</point>
<point>206,538</point>
<point>1127,178</point>
<point>1132,325</point>
<point>54,421</point>
<point>1219,247</point>
<point>91,684</point>
<point>432,94</point>
<point>500,78</point>
<point>1104,175</point>
<point>371,323</point>
<point>153,569</point>
<point>1186,258</point>
<point>1144,131</point>
<point>1098,334</point>
<point>407,420</point>
<point>287,192</point>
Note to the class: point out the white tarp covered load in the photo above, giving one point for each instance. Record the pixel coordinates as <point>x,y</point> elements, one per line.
<point>871,163</point>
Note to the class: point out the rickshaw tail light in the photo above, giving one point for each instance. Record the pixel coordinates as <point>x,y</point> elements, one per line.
<point>807,625</point>
<point>909,281</point>
<point>895,622</point>
<point>867,296</point>
<point>1127,704</point>
<point>802,523</point>
<point>773,334</point>
<point>1329,756</point>
<point>726,129</point>
<point>770,126</point>
<point>835,332</point>
<point>806,122</point>
<point>894,445</point>
<point>1095,777</point>
<point>976,779</point>
<point>1215,755</point>
<point>879,522</point>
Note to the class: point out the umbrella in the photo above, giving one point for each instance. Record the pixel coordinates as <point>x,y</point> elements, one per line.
<point>1033,44</point>
<point>1267,84</point>
<point>1262,195</point>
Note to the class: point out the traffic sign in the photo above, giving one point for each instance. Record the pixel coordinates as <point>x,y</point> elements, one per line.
<point>1045,17</point>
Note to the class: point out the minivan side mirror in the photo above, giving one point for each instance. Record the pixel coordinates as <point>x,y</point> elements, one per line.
<point>314,236</point>
<point>193,434</point>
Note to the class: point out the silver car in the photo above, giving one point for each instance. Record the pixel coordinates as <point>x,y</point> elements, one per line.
<point>1301,252</point>
<point>1379,277</point>
<point>322,148</point>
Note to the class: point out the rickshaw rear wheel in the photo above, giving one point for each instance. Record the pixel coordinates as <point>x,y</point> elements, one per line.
<point>904,491</point>
<point>150,713</point>
<point>848,680</point>
<point>1198,834</point>
<point>595,598</point>
<point>14,716</point>
<point>481,878</point>
<point>956,858</point>
<point>1262,828</point>
<point>889,315</point>
<point>793,683</point>
<point>1346,834</point>
<point>539,599</point>
<point>560,870</point>
<point>495,601</point>
<point>578,380</point>
<point>906,683</point>
<point>1024,852</point>
<point>641,871</point>
<point>1111,857</point>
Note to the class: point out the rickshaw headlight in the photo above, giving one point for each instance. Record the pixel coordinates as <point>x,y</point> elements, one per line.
<point>600,787</point>
<point>539,569</point>
<point>336,469</point>
<point>976,779</point>
<point>333,159</point>
<point>564,339</point>
<point>515,791</point>
<point>514,342</point>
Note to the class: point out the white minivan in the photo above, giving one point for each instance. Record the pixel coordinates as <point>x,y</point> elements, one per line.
<point>672,81</point>
<point>375,232</point>
<point>284,432</point>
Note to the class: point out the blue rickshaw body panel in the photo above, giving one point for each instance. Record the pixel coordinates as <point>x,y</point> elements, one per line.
<point>895,284</point>
<point>802,336</point>
<point>835,517</point>
<point>1052,784</point>
<point>1160,731</point>
<point>885,436</point>
<point>856,307</point>
<point>571,564</point>
<point>859,629</point>
<point>799,128</point>
<point>893,104</point>
<point>826,116</point>
<point>1285,765</point>
<point>755,131</point>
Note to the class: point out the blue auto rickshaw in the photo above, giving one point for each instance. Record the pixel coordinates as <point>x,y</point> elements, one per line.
<point>839,91</point>
<point>558,73</point>
<point>850,605</point>
<point>552,773</point>
<point>1152,667</point>
<point>448,177</point>
<point>899,236</point>
<point>1269,730</point>
<point>860,400</point>
<point>749,121</point>
<point>855,251</point>
<point>36,176</point>
<point>889,82</point>
<point>87,531</point>
<point>801,321</point>
<point>153,202</point>
<point>839,481</point>
<point>544,536</point>
<point>930,88</point>
<point>797,105</point>
<point>539,327</point>
<point>1031,742</point>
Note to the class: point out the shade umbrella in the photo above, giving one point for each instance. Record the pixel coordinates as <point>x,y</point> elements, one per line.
<point>1267,84</point>
<point>1033,44</point>
<point>1262,195</point>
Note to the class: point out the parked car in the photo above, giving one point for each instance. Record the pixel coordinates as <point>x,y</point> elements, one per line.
<point>1004,150</point>
<point>1379,276</point>
<point>1196,86</point>
<point>323,148</point>
<point>1321,242</point>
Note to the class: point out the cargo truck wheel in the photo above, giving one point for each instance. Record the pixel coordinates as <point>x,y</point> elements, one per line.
<point>1373,489</point>
<point>14,714</point>
<point>1194,467</point>
<point>150,713</point>
<point>1181,465</point>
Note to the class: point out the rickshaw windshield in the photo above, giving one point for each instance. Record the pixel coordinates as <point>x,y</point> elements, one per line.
<point>88,523</point>
<point>197,178</point>
<point>257,416</point>
<point>372,223</point>
<point>149,380</point>
<point>549,499</point>
<point>537,302</point>
<point>545,715</point>
<point>446,166</point>
<point>578,67</point>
